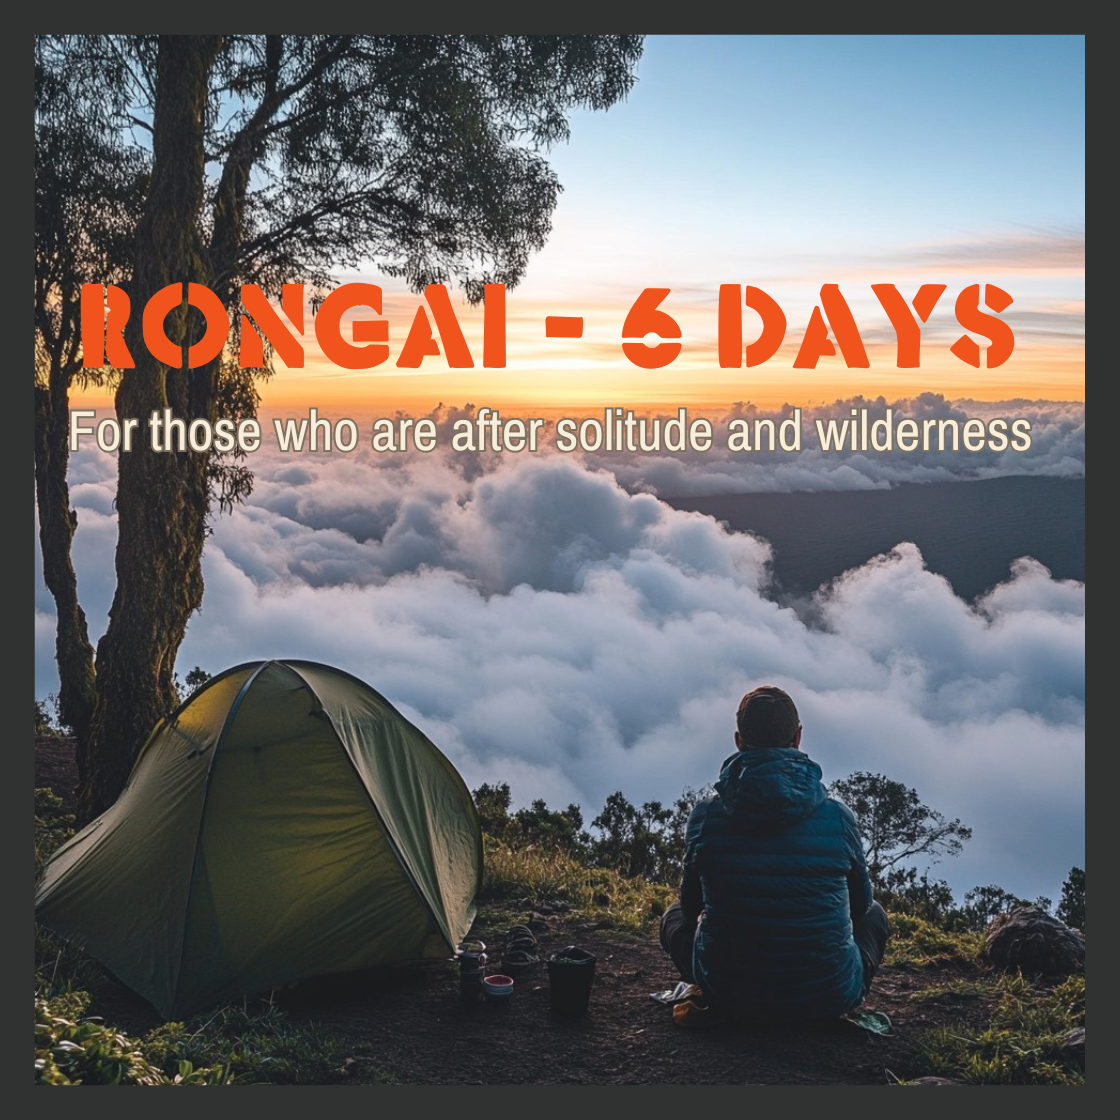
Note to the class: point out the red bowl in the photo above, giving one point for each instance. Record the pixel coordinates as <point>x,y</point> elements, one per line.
<point>497,986</point>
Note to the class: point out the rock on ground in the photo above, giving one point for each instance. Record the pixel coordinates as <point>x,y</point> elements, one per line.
<point>1030,941</point>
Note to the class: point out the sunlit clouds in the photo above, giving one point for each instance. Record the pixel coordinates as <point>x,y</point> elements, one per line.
<point>550,628</point>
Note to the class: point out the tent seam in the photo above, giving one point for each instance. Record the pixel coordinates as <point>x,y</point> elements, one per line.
<point>233,710</point>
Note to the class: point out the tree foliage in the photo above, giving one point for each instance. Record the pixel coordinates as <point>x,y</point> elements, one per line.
<point>902,890</point>
<point>538,825</point>
<point>266,159</point>
<point>196,678</point>
<point>1071,904</point>
<point>895,824</point>
<point>45,724</point>
<point>535,826</point>
<point>647,842</point>
<point>983,904</point>
<point>644,842</point>
<point>634,841</point>
<point>492,803</point>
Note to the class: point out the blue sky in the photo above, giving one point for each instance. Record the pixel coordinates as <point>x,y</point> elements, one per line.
<point>857,142</point>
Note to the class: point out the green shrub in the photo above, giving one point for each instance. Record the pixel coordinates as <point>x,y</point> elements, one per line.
<point>917,943</point>
<point>53,826</point>
<point>227,1046</point>
<point>72,1049</point>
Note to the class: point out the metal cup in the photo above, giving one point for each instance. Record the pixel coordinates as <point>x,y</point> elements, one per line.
<point>472,965</point>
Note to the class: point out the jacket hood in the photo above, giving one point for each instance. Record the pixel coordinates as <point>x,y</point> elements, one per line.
<point>770,787</point>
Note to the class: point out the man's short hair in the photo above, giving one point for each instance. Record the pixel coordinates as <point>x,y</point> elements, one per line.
<point>767,717</point>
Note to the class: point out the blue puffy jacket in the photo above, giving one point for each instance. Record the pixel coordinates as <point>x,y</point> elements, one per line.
<point>774,870</point>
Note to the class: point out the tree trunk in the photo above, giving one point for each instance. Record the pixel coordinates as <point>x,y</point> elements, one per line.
<point>162,497</point>
<point>57,522</point>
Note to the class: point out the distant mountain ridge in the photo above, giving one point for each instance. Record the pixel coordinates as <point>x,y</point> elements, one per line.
<point>969,532</point>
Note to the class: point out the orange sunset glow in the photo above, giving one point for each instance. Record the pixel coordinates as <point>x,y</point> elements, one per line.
<point>579,375</point>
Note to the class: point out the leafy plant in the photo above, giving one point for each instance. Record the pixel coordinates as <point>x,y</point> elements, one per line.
<point>74,1049</point>
<point>53,825</point>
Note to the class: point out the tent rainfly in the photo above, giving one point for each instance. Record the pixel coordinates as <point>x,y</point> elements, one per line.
<point>285,822</point>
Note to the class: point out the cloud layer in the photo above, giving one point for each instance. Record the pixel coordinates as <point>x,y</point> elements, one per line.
<point>550,624</point>
<point>1057,449</point>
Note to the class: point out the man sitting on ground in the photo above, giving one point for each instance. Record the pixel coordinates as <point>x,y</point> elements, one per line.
<point>776,917</point>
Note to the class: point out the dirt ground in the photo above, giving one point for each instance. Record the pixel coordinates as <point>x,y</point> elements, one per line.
<point>420,1031</point>
<point>413,1025</point>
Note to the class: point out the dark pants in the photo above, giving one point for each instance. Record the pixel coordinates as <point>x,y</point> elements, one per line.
<point>870,934</point>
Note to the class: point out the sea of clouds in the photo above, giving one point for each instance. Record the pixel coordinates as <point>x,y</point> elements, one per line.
<point>550,623</point>
<point>1057,449</point>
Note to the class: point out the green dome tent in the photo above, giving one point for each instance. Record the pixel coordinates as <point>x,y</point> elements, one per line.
<point>285,822</point>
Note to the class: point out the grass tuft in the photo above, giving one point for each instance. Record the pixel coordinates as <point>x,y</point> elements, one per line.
<point>532,876</point>
<point>916,943</point>
<point>1026,1042</point>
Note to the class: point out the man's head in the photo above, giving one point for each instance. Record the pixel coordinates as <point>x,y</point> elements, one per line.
<point>767,717</point>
